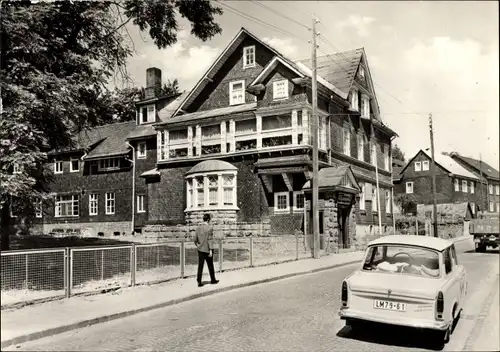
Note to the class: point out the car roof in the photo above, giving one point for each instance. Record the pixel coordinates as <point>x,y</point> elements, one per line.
<point>435,243</point>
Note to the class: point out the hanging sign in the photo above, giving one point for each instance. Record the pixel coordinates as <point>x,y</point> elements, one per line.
<point>344,199</point>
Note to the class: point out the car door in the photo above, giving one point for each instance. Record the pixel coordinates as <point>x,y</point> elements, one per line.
<point>453,288</point>
<point>461,274</point>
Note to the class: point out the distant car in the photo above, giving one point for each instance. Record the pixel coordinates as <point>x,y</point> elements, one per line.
<point>407,280</point>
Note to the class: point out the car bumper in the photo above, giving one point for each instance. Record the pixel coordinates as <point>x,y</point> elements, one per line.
<point>407,322</point>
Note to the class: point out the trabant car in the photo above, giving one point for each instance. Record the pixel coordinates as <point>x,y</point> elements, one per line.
<point>407,280</point>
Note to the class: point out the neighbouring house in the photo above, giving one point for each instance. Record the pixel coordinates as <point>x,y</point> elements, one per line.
<point>453,218</point>
<point>240,146</point>
<point>454,184</point>
<point>489,187</point>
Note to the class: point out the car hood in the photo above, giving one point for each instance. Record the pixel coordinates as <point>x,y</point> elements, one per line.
<point>399,284</point>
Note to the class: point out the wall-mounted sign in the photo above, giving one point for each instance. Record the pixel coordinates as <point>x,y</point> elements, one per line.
<point>344,199</point>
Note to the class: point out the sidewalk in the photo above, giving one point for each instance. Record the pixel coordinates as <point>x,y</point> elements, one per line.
<point>50,318</point>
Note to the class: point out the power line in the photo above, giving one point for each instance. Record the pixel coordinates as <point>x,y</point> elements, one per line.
<point>280,14</point>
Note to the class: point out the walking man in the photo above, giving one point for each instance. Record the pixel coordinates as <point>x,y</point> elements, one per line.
<point>203,241</point>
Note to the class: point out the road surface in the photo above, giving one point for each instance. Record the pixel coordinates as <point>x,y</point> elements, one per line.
<point>297,314</point>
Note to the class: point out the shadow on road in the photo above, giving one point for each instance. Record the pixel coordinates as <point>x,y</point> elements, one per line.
<point>488,251</point>
<point>391,336</point>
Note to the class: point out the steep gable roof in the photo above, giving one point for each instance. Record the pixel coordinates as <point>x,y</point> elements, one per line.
<point>479,165</point>
<point>113,141</point>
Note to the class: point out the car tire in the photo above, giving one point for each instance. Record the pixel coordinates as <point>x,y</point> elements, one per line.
<point>480,248</point>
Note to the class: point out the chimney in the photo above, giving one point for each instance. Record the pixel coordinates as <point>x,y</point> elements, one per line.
<point>153,82</point>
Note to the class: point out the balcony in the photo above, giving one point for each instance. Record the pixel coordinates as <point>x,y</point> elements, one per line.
<point>240,136</point>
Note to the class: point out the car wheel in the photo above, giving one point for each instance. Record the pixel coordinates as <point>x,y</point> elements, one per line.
<point>480,248</point>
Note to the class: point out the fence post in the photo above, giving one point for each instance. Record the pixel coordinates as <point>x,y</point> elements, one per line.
<point>133,266</point>
<point>69,266</point>
<point>221,254</point>
<point>251,251</point>
<point>296,246</point>
<point>102,264</point>
<point>183,258</point>
<point>26,270</point>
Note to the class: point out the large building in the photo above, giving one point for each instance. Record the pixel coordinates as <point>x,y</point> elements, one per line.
<point>238,145</point>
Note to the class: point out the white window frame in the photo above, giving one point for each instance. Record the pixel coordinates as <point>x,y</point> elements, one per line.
<point>388,203</point>
<point>497,190</point>
<point>245,50</point>
<point>361,72</point>
<point>57,169</point>
<point>16,169</point>
<point>231,98</point>
<point>366,106</point>
<point>490,189</point>
<point>362,197</point>
<point>58,201</point>
<point>492,206</point>
<point>295,194</point>
<point>151,114</point>
<point>142,155</point>
<point>93,204</point>
<point>354,100</point>
<point>418,166</point>
<point>374,200</point>
<point>110,203</point>
<point>38,206</point>
<point>113,164</point>
<point>373,153</point>
<point>71,165</point>
<point>457,185</point>
<point>361,147</point>
<point>276,96</point>
<point>347,141</point>
<point>424,167</point>
<point>464,186</point>
<point>193,188</point>
<point>140,203</point>
<point>471,187</point>
<point>278,194</point>
<point>410,184</point>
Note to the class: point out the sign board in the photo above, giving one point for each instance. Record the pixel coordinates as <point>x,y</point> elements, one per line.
<point>344,199</point>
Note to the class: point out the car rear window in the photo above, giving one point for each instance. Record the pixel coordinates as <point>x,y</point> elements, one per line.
<point>403,260</point>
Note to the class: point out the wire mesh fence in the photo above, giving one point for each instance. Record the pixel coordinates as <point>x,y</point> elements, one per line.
<point>157,262</point>
<point>236,253</point>
<point>32,275</point>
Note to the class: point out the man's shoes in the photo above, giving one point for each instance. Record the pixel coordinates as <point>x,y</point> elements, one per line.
<point>200,284</point>
<point>213,282</point>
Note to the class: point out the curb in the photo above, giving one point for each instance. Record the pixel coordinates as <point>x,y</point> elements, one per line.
<point>103,319</point>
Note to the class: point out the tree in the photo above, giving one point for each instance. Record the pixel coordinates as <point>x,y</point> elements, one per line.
<point>56,59</point>
<point>406,202</point>
<point>398,154</point>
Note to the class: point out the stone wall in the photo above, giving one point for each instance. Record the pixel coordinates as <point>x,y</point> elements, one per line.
<point>330,228</point>
<point>217,216</point>
<point>92,229</point>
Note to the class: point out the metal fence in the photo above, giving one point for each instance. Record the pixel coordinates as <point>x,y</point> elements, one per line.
<point>43,274</point>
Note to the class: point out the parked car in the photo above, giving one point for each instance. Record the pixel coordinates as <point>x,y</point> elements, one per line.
<point>407,280</point>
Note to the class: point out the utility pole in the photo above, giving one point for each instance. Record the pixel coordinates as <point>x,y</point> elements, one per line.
<point>433,173</point>
<point>314,118</point>
<point>486,206</point>
<point>375,161</point>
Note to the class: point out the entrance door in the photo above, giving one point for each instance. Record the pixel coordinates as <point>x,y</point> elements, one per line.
<point>343,225</point>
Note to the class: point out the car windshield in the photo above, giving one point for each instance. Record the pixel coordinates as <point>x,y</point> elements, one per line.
<point>406,260</point>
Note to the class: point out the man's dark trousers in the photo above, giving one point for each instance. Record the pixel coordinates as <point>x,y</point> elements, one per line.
<point>202,257</point>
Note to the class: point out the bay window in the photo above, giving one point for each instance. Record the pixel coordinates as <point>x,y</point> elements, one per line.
<point>211,191</point>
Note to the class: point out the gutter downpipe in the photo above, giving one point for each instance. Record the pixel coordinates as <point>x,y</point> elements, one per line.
<point>133,188</point>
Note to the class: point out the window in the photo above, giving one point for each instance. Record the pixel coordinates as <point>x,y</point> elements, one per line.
<point>220,191</point>
<point>425,165</point>
<point>110,203</point>
<point>236,92</point>
<point>386,161</point>
<point>74,165</point>
<point>361,148</point>
<point>464,186</point>
<point>492,206</point>
<point>67,206</point>
<point>366,107</point>
<point>298,201</point>
<point>354,100</point>
<point>16,169</point>
<point>249,56</point>
<point>58,167</point>
<point>362,197</point>
<point>418,166</point>
<point>140,204</point>
<point>347,142</point>
<point>281,202</point>
<point>453,255</point>
<point>93,204</point>
<point>490,189</point>
<point>457,185</point>
<point>388,204</point>
<point>109,164</point>
<point>471,186</point>
<point>409,187</point>
<point>141,150</point>
<point>374,154</point>
<point>361,72</point>
<point>498,207</point>
<point>374,199</point>
<point>497,190</point>
<point>148,114</point>
<point>280,89</point>
<point>38,208</point>
<point>447,261</point>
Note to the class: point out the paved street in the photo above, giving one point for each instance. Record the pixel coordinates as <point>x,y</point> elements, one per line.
<point>298,314</point>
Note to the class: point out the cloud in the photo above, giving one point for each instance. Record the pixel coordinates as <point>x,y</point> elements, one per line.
<point>456,80</point>
<point>360,24</point>
<point>284,46</point>
<point>185,61</point>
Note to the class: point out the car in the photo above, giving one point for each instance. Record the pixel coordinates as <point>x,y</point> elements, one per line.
<point>407,280</point>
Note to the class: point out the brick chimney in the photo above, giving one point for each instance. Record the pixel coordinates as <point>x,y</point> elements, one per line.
<point>153,82</point>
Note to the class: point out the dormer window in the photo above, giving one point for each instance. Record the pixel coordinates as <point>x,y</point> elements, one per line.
<point>249,56</point>
<point>236,92</point>
<point>280,89</point>
<point>148,114</point>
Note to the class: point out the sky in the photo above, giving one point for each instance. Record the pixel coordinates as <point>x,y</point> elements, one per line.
<point>438,57</point>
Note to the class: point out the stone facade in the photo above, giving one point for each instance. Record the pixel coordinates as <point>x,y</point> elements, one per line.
<point>217,216</point>
<point>330,228</point>
<point>92,229</point>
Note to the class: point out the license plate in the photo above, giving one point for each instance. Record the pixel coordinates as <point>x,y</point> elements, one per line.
<point>388,305</point>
